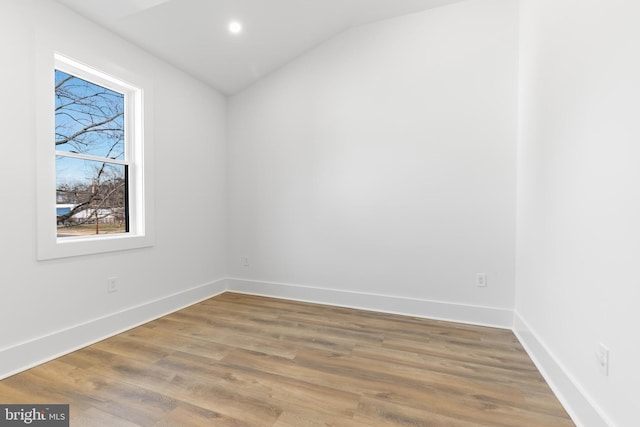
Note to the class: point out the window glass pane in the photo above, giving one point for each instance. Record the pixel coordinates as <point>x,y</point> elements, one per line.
<point>89,118</point>
<point>91,197</point>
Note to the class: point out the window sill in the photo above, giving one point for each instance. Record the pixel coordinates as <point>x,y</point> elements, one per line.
<point>52,248</point>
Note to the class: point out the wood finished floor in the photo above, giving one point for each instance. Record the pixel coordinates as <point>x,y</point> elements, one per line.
<point>238,360</point>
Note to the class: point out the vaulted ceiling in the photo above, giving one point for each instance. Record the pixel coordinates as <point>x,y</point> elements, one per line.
<point>193,35</point>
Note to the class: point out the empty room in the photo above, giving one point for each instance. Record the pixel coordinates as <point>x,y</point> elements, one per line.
<point>298,213</point>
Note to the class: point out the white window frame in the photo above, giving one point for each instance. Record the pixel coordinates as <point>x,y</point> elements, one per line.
<point>137,125</point>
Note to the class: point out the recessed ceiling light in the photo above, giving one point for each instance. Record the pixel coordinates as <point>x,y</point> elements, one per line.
<point>235,27</point>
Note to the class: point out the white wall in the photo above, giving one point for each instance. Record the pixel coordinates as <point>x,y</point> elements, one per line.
<point>579,199</point>
<point>62,299</point>
<point>383,162</point>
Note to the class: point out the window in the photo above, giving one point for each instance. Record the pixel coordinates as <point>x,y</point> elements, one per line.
<point>96,199</point>
<point>92,163</point>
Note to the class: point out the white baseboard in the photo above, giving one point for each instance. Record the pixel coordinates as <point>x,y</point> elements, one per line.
<point>582,410</point>
<point>472,314</point>
<point>28,354</point>
<point>580,407</point>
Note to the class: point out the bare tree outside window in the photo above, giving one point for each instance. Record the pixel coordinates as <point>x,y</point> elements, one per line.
<point>91,167</point>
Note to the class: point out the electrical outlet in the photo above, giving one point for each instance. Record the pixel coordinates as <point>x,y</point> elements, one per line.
<point>481,280</point>
<point>112,284</point>
<point>602,358</point>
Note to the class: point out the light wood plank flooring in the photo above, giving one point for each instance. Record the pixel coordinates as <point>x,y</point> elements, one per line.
<point>238,360</point>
